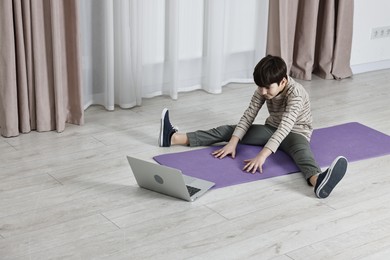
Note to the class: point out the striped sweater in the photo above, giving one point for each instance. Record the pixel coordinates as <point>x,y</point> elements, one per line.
<point>289,112</point>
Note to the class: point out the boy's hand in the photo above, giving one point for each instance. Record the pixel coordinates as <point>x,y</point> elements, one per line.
<point>257,163</point>
<point>226,150</point>
<point>253,164</point>
<point>229,148</point>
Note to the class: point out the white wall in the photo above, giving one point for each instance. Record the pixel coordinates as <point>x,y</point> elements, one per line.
<point>367,54</point>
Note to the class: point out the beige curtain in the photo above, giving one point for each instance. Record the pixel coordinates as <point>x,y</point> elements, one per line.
<point>40,81</point>
<point>312,36</point>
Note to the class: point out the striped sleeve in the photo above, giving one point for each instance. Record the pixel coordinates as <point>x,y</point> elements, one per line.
<point>249,115</point>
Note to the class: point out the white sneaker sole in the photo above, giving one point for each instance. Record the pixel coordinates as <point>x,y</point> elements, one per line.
<point>329,175</point>
<point>161,136</point>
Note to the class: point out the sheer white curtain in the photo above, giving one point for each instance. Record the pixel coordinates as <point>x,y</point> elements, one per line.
<point>144,48</point>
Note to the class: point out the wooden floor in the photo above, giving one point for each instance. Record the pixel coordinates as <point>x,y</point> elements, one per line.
<point>72,195</point>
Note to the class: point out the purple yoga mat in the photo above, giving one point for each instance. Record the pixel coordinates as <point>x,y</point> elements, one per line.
<point>352,140</point>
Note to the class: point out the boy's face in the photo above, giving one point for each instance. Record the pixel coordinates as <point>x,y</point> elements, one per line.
<point>273,90</point>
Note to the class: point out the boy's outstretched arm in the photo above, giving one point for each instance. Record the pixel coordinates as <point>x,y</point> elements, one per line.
<point>257,163</point>
<point>229,148</point>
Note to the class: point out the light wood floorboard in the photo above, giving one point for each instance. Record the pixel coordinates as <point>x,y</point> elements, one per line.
<point>71,195</point>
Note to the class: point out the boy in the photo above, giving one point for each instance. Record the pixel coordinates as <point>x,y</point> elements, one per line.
<point>288,127</point>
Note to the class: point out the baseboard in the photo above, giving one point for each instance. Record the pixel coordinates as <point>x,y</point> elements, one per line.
<point>372,66</point>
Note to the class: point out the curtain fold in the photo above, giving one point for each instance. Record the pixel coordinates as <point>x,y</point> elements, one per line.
<point>313,36</point>
<point>112,52</point>
<point>136,49</point>
<point>40,81</point>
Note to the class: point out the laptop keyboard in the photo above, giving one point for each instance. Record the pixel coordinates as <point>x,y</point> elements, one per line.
<point>192,190</point>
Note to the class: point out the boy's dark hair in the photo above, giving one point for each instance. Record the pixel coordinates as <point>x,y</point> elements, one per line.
<point>269,70</point>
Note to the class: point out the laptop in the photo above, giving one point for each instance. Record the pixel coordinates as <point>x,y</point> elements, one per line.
<point>167,180</point>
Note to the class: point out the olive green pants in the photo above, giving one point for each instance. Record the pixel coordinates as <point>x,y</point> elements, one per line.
<point>295,145</point>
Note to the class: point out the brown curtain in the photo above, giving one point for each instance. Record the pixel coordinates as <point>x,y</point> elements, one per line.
<point>40,80</point>
<point>312,36</point>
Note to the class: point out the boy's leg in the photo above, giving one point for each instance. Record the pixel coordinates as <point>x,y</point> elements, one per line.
<point>298,147</point>
<point>258,134</point>
<point>169,134</point>
<point>212,136</point>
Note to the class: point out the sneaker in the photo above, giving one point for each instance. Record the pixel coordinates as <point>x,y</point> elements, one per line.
<point>166,130</point>
<point>331,177</point>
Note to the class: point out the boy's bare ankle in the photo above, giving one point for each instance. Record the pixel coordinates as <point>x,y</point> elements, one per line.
<point>173,139</point>
<point>313,180</point>
<point>179,139</point>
